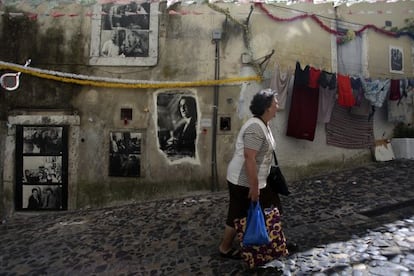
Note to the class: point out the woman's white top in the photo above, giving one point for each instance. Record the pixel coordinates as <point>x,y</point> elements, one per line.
<point>256,136</point>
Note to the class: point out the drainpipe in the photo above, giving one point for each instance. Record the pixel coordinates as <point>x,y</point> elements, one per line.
<point>214,176</point>
<point>336,43</point>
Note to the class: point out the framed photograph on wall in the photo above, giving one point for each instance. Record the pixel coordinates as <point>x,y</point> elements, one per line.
<point>37,197</point>
<point>42,169</point>
<point>124,33</point>
<point>42,140</point>
<point>125,154</point>
<point>396,59</point>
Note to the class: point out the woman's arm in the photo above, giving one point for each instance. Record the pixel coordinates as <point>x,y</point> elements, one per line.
<point>251,171</point>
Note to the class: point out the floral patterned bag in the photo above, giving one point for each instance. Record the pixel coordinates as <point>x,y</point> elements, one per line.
<point>257,255</point>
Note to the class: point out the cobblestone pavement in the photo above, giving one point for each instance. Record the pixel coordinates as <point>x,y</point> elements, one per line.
<point>353,222</point>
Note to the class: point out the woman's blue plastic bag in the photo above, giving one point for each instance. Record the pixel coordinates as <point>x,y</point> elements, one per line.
<point>256,232</point>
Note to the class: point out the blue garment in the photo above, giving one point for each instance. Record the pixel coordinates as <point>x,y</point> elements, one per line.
<point>376,91</point>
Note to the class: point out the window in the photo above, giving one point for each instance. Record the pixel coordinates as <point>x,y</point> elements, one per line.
<point>349,51</point>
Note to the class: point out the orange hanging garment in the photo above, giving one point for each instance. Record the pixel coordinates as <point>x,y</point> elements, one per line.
<point>345,95</point>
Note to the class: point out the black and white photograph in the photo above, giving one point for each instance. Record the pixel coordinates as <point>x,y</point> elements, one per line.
<point>125,154</point>
<point>124,43</point>
<point>125,34</point>
<point>38,197</point>
<point>42,140</point>
<point>42,169</point>
<point>396,57</point>
<point>177,124</point>
<point>126,16</point>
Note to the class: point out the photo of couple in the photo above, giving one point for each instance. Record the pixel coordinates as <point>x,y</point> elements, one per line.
<point>42,197</point>
<point>125,30</point>
<point>125,43</point>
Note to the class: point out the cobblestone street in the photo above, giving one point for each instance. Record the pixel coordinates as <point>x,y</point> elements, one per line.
<point>352,222</point>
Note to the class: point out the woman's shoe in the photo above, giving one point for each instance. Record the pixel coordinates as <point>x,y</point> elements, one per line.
<point>233,253</point>
<point>292,247</point>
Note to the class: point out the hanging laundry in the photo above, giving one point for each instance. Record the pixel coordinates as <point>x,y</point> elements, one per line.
<point>280,82</point>
<point>357,90</point>
<point>403,109</point>
<point>405,85</point>
<point>395,93</point>
<point>362,105</point>
<point>347,130</point>
<point>304,106</point>
<point>345,95</point>
<point>314,75</point>
<point>376,91</point>
<point>327,96</point>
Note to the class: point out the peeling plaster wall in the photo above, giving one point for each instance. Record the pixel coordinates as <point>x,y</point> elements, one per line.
<point>186,53</point>
<point>5,198</point>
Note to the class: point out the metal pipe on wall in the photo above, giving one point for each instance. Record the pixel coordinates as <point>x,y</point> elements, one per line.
<point>214,175</point>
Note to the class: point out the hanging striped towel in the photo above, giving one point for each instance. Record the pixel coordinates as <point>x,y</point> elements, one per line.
<point>347,130</point>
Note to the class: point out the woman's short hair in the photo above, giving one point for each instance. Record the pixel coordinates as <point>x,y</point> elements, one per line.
<point>261,101</point>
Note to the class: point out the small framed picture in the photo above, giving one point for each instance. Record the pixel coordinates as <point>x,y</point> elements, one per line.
<point>42,197</point>
<point>43,140</point>
<point>42,169</point>
<point>396,59</point>
<point>125,154</point>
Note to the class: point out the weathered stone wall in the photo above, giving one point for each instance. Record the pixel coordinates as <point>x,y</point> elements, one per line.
<point>185,53</point>
<point>5,196</point>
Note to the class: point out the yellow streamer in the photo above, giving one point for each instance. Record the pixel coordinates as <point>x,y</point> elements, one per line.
<point>110,84</point>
